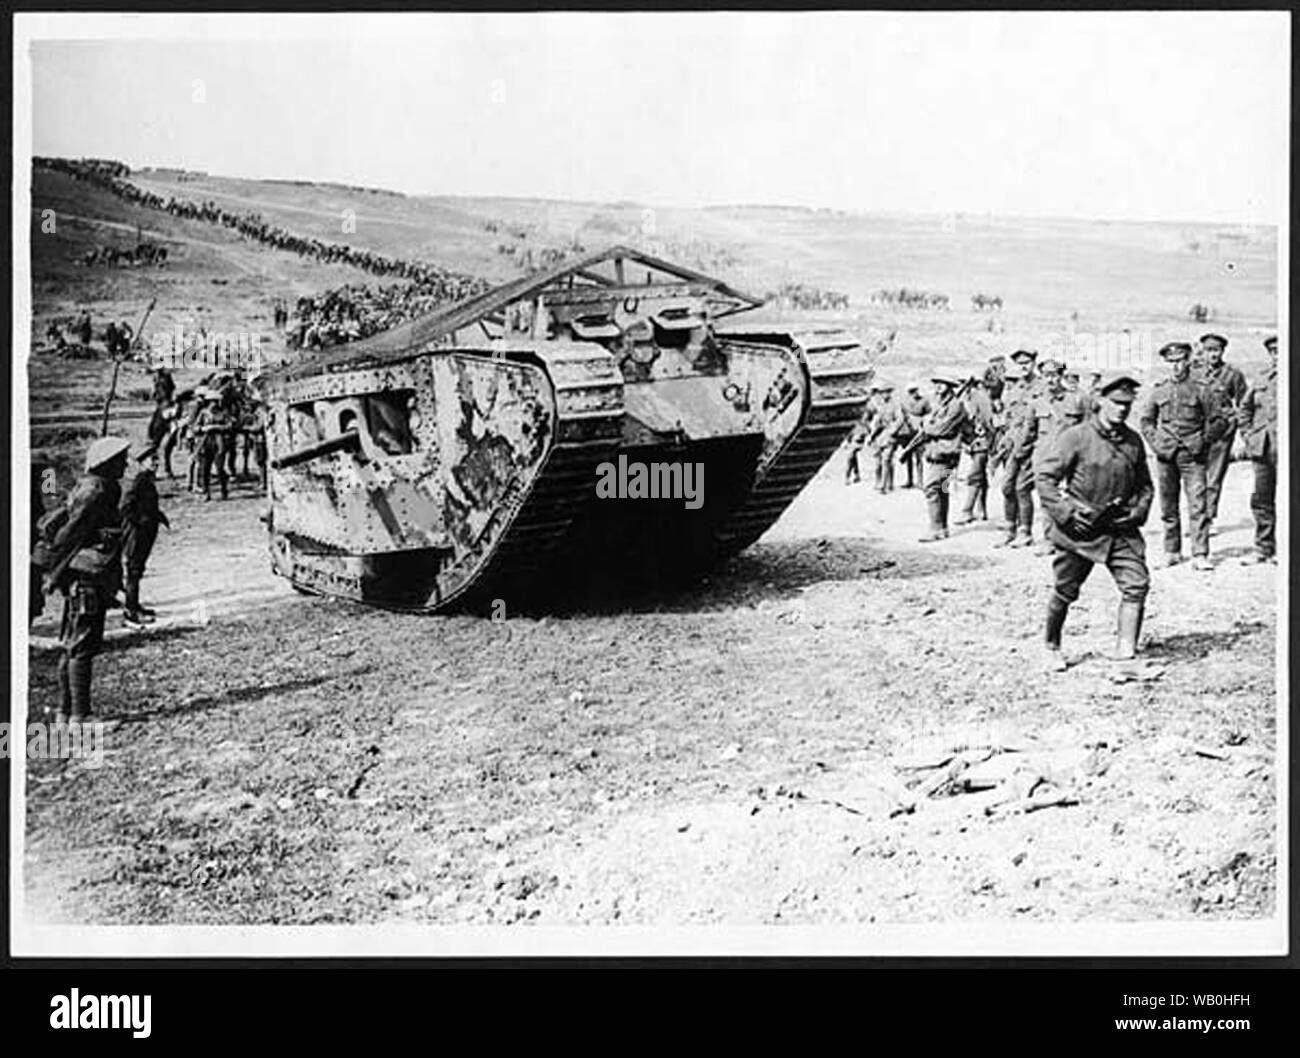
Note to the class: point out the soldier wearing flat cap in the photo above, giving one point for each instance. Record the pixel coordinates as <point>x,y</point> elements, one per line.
<point>1175,422</point>
<point>1026,360</point>
<point>1095,486</point>
<point>141,516</point>
<point>1226,387</point>
<point>1014,451</point>
<point>945,429</point>
<point>1257,418</point>
<point>84,549</point>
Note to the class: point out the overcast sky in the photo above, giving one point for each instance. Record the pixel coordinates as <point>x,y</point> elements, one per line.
<point>1173,116</point>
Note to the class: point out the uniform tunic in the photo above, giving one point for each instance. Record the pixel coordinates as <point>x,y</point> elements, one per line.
<point>1102,472</point>
<point>1258,421</point>
<point>1175,423</point>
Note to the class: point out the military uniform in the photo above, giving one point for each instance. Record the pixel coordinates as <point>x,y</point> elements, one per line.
<point>1015,451</point>
<point>213,429</point>
<point>1174,423</point>
<point>85,556</point>
<point>980,409</point>
<point>1226,386</point>
<point>882,438</point>
<point>857,438</point>
<point>141,516</point>
<point>1257,418</point>
<point>1096,487</point>
<point>915,409</point>
<point>946,428</point>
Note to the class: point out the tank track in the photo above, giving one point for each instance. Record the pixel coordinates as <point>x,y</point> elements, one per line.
<point>837,376</point>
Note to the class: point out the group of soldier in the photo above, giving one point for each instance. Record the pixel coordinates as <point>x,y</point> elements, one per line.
<point>214,423</point>
<point>1063,438</point>
<point>117,337</point>
<point>355,311</point>
<point>89,547</point>
<point>112,177</point>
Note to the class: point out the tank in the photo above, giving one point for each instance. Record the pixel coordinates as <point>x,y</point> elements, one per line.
<point>605,421</point>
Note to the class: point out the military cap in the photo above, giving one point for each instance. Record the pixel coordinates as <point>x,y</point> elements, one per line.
<point>1119,387</point>
<point>1270,340</point>
<point>1051,367</point>
<point>1218,339</point>
<point>996,358</point>
<point>1024,354</point>
<point>105,450</point>
<point>945,378</point>
<point>1014,373</point>
<point>1175,351</point>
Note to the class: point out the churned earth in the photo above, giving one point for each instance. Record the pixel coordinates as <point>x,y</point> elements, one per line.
<point>756,750</point>
<point>840,727</point>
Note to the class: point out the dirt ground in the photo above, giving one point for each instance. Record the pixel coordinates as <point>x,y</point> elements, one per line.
<point>736,755</point>
<point>841,726</point>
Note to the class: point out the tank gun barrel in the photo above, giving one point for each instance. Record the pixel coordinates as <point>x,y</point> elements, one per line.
<point>348,441</point>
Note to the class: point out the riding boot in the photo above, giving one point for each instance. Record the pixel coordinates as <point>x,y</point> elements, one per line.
<point>981,505</point>
<point>65,693</point>
<point>1130,628</point>
<point>79,670</point>
<point>937,529</point>
<point>967,508</point>
<point>1057,608</point>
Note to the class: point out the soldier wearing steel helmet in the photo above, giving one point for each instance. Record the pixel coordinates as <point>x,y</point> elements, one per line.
<point>1015,450</point>
<point>1094,483</point>
<point>84,568</point>
<point>945,429</point>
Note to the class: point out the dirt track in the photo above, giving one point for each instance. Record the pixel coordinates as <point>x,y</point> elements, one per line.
<point>732,755</point>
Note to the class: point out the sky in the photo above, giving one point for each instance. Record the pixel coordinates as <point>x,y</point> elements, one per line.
<point>1147,116</point>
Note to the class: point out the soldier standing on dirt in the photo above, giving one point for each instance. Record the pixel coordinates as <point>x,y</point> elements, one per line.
<point>1095,484</point>
<point>1258,421</point>
<point>883,435</point>
<point>212,428</point>
<point>945,429</point>
<point>857,438</point>
<point>141,517</point>
<point>1174,423</point>
<point>85,562</point>
<point>1226,387</point>
<point>1026,360</point>
<point>85,331</point>
<point>915,409</point>
<point>1016,452</point>
<point>979,408</point>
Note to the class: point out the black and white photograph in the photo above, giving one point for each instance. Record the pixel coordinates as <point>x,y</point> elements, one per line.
<point>636,484</point>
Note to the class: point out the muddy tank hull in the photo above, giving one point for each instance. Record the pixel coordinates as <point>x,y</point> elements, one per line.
<point>507,502</point>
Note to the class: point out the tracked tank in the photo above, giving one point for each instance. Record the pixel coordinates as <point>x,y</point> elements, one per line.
<point>605,419</point>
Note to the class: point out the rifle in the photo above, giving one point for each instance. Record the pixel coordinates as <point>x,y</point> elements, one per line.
<point>921,436</point>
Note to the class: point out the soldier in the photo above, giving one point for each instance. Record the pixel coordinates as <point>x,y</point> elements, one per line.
<point>945,430</point>
<point>980,410</point>
<point>994,375</point>
<point>857,438</point>
<point>141,517</point>
<point>85,330</point>
<point>212,428</point>
<point>1015,452</point>
<point>1174,423</point>
<point>1226,387</point>
<point>164,386</point>
<point>1026,360</point>
<point>915,409</point>
<point>1095,484</point>
<point>1257,418</point>
<point>883,436</point>
<point>86,560</point>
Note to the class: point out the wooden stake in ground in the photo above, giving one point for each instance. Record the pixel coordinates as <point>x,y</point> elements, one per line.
<point>117,366</point>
